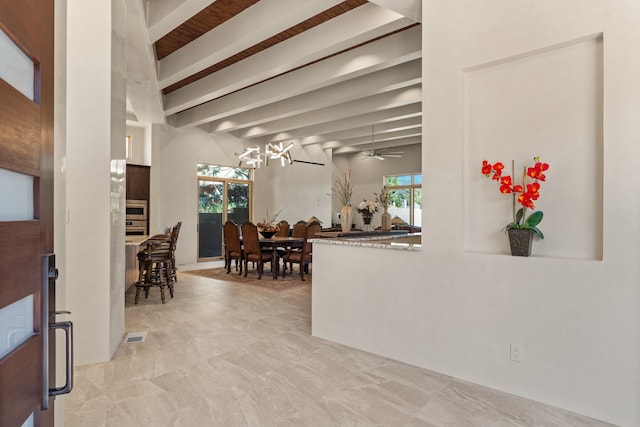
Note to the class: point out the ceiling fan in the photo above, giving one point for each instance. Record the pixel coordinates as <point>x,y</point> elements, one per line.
<point>378,154</point>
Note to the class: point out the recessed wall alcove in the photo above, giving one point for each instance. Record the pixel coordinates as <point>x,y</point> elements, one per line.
<point>546,103</point>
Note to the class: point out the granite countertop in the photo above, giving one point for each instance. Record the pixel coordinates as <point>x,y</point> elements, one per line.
<point>135,240</point>
<point>406,242</point>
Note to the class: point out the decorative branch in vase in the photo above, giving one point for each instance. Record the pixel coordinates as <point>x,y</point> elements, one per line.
<point>268,226</point>
<point>522,228</point>
<point>384,200</point>
<point>342,189</point>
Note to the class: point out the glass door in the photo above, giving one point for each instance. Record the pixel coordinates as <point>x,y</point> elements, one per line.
<point>219,200</point>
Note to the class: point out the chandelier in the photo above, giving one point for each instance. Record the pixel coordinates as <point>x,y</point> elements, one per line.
<point>252,156</point>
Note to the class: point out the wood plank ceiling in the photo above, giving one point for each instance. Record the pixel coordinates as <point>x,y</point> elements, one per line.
<point>324,72</point>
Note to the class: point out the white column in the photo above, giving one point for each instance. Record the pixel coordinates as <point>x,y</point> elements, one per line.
<point>95,125</point>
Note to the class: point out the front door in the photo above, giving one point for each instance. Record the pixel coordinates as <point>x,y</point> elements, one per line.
<point>26,207</point>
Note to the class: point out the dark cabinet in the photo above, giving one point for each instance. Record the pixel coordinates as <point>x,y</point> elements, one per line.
<point>138,182</point>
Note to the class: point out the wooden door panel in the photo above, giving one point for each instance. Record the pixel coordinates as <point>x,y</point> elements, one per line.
<point>26,144</point>
<point>20,136</point>
<point>18,268</point>
<point>21,374</point>
<point>22,20</point>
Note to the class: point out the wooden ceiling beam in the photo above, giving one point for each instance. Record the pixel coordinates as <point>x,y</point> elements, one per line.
<point>387,52</point>
<point>255,24</point>
<point>165,15</point>
<point>322,41</point>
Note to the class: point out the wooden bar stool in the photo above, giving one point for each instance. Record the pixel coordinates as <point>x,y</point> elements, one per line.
<point>155,268</point>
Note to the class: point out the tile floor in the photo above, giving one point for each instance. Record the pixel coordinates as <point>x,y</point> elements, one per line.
<point>224,354</point>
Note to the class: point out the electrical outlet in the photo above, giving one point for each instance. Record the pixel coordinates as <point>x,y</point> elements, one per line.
<point>516,352</point>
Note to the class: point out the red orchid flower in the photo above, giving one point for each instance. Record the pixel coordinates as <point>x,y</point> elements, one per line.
<point>486,168</point>
<point>525,200</point>
<point>537,171</point>
<point>506,182</point>
<point>533,190</point>
<point>497,167</point>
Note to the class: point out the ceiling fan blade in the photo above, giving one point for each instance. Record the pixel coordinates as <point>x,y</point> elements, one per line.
<point>309,163</point>
<point>377,156</point>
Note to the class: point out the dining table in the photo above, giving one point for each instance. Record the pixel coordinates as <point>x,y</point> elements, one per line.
<point>275,242</point>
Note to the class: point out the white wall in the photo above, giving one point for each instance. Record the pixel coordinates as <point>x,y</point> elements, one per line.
<point>140,144</point>
<point>301,190</point>
<point>455,310</point>
<point>95,127</point>
<point>174,186</point>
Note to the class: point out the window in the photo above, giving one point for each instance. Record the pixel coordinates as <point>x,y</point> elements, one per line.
<point>129,147</point>
<point>406,197</point>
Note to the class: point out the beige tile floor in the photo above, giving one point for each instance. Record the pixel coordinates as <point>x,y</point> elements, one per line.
<point>224,354</point>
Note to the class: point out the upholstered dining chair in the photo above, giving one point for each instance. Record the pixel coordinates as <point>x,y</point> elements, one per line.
<point>299,230</point>
<point>232,245</point>
<point>252,251</point>
<point>283,229</point>
<point>304,256</point>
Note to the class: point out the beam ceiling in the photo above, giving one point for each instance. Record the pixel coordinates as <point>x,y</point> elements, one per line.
<point>320,72</point>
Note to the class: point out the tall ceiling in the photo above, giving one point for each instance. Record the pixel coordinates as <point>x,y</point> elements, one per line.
<point>330,72</point>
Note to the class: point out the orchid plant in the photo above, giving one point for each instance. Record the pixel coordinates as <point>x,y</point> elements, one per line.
<point>524,194</point>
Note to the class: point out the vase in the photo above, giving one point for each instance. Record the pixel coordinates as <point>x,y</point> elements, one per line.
<point>386,220</point>
<point>366,219</point>
<point>346,215</point>
<point>520,240</point>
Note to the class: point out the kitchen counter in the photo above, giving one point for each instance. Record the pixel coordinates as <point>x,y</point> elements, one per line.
<point>132,247</point>
<point>407,242</point>
<point>135,240</point>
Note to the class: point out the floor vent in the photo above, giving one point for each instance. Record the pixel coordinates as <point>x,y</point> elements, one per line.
<point>132,337</point>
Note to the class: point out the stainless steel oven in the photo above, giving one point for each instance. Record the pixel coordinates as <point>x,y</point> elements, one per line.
<point>136,210</point>
<point>136,218</point>
<point>136,228</point>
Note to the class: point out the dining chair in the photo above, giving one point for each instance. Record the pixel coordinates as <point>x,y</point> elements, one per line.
<point>283,229</point>
<point>304,256</point>
<point>252,250</point>
<point>232,245</point>
<point>299,231</point>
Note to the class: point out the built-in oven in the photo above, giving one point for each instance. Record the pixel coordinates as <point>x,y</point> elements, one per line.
<point>136,218</point>
<point>136,210</point>
<point>136,228</point>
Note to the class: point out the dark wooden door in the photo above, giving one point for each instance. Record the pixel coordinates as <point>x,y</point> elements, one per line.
<point>26,235</point>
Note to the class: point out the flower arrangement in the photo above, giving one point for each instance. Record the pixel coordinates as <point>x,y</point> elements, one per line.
<point>525,194</point>
<point>343,189</point>
<point>367,207</point>
<point>384,198</point>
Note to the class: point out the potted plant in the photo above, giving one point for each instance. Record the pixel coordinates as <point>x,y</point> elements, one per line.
<point>367,209</point>
<point>522,229</point>
<point>343,190</point>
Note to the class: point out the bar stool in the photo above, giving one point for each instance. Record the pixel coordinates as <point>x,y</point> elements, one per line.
<point>155,264</point>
